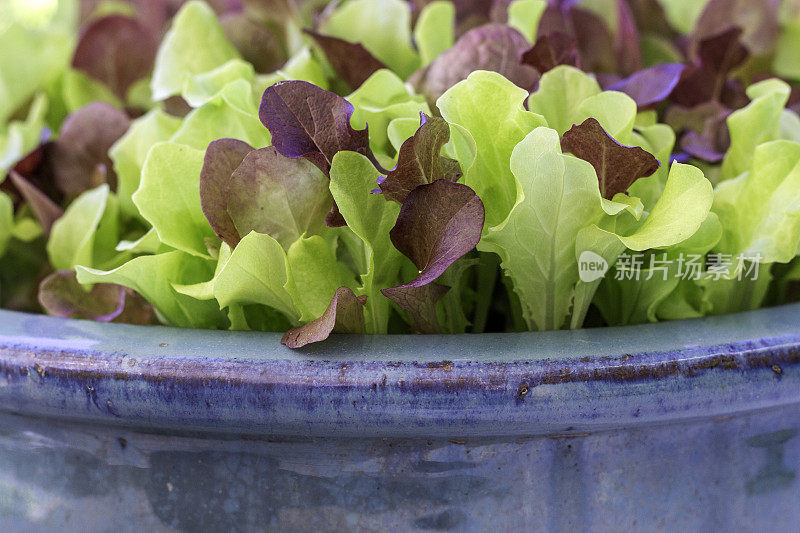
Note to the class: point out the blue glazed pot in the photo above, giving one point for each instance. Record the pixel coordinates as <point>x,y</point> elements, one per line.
<point>679,426</point>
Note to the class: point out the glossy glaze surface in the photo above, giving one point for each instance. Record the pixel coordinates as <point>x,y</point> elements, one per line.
<point>659,427</point>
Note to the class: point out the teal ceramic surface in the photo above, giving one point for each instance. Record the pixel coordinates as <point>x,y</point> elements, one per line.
<point>688,426</point>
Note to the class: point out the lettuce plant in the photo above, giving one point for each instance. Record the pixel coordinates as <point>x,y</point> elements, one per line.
<point>388,166</point>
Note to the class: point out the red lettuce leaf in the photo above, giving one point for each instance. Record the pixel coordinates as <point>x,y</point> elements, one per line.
<point>551,50</point>
<point>334,218</point>
<point>757,18</point>
<point>707,78</point>
<point>35,169</point>
<point>61,295</point>
<point>420,304</point>
<point>701,147</point>
<point>650,18</point>
<point>703,130</point>
<point>627,47</point>
<point>351,61</point>
<point>307,121</point>
<point>79,157</point>
<point>471,13</point>
<point>419,160</point>
<point>281,197</point>
<point>258,43</point>
<point>345,314</point>
<point>438,223</point>
<point>652,85</point>
<point>116,50</point>
<point>153,14</point>
<point>45,209</point>
<point>617,166</point>
<point>222,158</point>
<point>493,46</point>
<point>600,49</point>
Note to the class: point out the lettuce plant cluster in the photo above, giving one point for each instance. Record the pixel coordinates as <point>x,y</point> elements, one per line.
<point>383,166</point>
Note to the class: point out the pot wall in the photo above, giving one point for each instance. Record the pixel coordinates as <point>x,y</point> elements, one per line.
<point>687,425</point>
<point>732,474</point>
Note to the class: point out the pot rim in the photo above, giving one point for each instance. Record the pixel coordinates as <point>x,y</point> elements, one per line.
<point>488,385</point>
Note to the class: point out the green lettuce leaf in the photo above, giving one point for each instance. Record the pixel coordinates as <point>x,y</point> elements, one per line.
<point>370,217</point>
<point>760,209</point>
<point>6,221</point>
<point>180,57</point>
<point>496,130</point>
<point>88,232</point>
<point>169,197</point>
<point>301,66</point>
<point>755,124</point>
<point>435,30</point>
<point>18,138</point>
<point>382,26</point>
<point>201,88</point>
<point>679,221</point>
<point>33,53</point>
<point>316,274</point>
<point>233,113</point>
<point>559,197</point>
<point>682,14</point>
<point>152,276</point>
<point>561,91</point>
<point>130,151</point>
<point>524,16</point>
<point>381,99</point>
<point>78,90</point>
<point>257,272</point>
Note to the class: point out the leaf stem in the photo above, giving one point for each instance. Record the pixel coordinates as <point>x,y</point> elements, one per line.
<point>487,278</point>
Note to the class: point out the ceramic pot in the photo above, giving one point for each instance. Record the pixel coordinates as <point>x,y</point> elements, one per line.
<point>689,425</point>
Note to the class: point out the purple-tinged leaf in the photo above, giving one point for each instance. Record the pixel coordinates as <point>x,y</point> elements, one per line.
<point>652,85</point>
<point>706,79</point>
<point>617,166</point>
<point>61,295</point>
<point>80,158</point>
<point>595,42</point>
<point>334,218</point>
<point>701,147</point>
<point>258,43</point>
<point>227,6</point>
<point>273,11</point>
<point>469,13</point>
<point>704,130</point>
<point>117,50</point>
<point>419,160</point>
<point>345,314</point>
<point>600,49</point>
<point>493,46</point>
<point>281,197</point>
<point>153,14</point>
<point>222,158</point>
<point>45,209</point>
<point>36,169</point>
<point>650,19</point>
<point>306,121</point>
<point>176,106</point>
<point>438,223</point>
<point>552,50</point>
<point>420,304</point>
<point>627,45</point>
<point>695,118</point>
<point>352,62</point>
<point>757,18</point>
